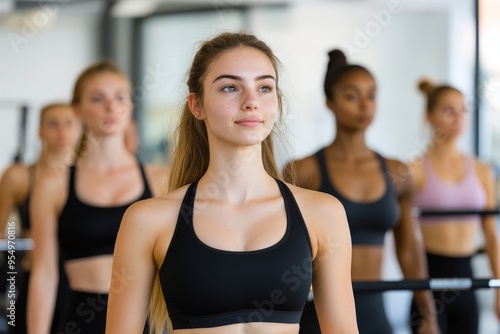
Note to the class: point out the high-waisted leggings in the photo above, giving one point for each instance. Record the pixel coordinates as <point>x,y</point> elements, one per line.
<point>370,315</point>
<point>457,311</point>
<point>86,313</point>
<point>22,303</point>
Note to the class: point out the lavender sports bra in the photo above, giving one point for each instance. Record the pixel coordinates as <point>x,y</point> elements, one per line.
<point>467,194</point>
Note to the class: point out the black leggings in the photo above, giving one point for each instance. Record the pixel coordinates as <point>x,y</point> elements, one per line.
<point>457,311</point>
<point>86,314</point>
<point>370,315</point>
<point>22,302</point>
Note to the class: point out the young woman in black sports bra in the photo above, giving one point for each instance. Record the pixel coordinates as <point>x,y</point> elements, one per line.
<point>231,248</point>
<point>376,193</point>
<point>77,211</point>
<point>59,131</point>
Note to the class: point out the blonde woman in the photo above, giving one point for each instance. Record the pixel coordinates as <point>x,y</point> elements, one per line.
<point>59,131</point>
<point>78,212</point>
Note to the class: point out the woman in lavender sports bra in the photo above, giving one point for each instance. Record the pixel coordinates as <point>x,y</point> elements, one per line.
<point>447,179</point>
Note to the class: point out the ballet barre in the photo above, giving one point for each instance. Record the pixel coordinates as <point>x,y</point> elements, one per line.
<point>465,212</point>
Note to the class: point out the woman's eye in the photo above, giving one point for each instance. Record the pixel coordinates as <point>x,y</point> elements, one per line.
<point>96,99</point>
<point>266,89</point>
<point>350,97</point>
<point>229,89</point>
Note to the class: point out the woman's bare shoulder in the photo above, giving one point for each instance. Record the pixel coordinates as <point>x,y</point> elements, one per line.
<point>16,173</point>
<point>305,171</point>
<point>316,205</point>
<point>324,216</point>
<point>482,167</point>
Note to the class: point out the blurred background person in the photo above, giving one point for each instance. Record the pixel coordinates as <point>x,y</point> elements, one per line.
<point>59,131</point>
<point>78,214</point>
<point>374,202</point>
<point>448,179</point>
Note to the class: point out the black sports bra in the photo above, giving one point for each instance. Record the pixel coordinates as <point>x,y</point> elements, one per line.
<point>206,287</point>
<point>368,222</point>
<point>86,230</point>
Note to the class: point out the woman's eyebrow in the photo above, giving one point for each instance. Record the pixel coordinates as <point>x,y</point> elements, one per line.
<point>238,78</point>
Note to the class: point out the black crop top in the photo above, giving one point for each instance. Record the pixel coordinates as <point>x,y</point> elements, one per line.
<point>206,287</point>
<point>368,221</point>
<point>86,230</point>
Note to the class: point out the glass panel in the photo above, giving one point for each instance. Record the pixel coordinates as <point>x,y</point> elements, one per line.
<point>489,50</point>
<point>169,44</point>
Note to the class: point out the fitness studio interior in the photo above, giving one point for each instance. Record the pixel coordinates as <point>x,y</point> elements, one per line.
<point>44,45</point>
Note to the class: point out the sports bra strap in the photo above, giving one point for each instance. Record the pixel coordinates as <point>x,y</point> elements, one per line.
<point>71,181</point>
<point>320,155</point>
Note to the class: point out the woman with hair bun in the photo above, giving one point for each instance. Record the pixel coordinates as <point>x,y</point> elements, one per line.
<point>231,248</point>
<point>448,179</point>
<point>374,202</point>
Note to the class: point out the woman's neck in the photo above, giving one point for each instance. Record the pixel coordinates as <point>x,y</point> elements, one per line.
<point>444,149</point>
<point>349,145</point>
<point>238,176</point>
<point>49,160</point>
<point>106,152</point>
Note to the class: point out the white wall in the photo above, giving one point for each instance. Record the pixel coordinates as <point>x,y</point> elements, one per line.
<point>41,54</point>
<point>398,55</point>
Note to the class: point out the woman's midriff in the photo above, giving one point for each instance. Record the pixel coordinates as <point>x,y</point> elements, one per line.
<point>451,238</point>
<point>366,263</point>
<point>91,274</point>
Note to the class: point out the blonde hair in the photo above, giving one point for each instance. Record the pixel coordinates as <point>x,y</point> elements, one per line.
<point>95,69</point>
<point>47,107</point>
<point>190,157</point>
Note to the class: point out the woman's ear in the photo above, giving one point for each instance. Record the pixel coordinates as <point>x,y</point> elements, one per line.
<point>195,106</point>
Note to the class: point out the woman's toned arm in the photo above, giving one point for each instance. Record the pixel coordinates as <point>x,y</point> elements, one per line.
<point>135,262</point>
<point>46,201</point>
<point>409,246</point>
<point>13,190</point>
<point>331,243</point>
<point>491,244</point>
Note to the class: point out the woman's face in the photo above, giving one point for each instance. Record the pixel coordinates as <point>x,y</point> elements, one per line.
<point>353,101</point>
<point>449,115</point>
<point>105,104</point>
<point>240,101</point>
<point>59,128</point>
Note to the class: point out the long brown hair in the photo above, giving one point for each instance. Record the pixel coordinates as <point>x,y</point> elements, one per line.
<point>95,69</point>
<point>190,157</point>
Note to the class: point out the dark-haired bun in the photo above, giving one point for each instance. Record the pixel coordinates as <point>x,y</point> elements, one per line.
<point>426,86</point>
<point>337,60</point>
